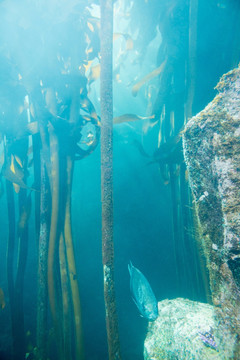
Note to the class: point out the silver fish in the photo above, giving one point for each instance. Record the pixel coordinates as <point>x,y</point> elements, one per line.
<point>142,294</point>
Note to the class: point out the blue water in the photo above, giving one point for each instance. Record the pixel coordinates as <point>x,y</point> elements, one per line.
<point>30,41</point>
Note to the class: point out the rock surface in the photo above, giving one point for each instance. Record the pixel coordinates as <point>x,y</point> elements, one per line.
<point>185,330</point>
<point>211,144</point>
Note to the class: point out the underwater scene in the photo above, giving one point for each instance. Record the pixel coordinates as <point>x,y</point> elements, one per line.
<point>119,179</point>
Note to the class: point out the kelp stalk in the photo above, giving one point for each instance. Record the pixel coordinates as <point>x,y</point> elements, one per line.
<point>16,283</point>
<point>72,265</point>
<point>19,281</point>
<point>10,260</point>
<point>107,178</point>
<point>11,238</point>
<point>37,181</point>
<point>42,265</point>
<point>65,299</point>
<point>53,249</point>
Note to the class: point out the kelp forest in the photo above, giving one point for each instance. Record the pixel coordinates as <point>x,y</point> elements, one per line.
<point>89,82</point>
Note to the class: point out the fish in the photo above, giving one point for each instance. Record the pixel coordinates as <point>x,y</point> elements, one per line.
<point>142,294</point>
<point>2,299</point>
<point>130,117</point>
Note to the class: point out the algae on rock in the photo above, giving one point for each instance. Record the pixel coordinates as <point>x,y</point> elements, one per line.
<point>186,330</point>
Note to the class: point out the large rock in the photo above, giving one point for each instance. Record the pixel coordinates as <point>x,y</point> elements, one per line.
<point>211,144</point>
<point>186,330</point>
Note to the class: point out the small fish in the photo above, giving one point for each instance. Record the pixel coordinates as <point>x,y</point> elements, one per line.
<point>130,117</point>
<point>142,294</point>
<point>2,299</point>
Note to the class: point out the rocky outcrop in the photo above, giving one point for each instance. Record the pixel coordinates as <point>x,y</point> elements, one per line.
<point>211,144</point>
<point>186,330</point>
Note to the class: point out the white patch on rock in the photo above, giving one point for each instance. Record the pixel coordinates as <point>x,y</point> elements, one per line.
<point>237,132</point>
<point>214,247</point>
<point>202,197</point>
